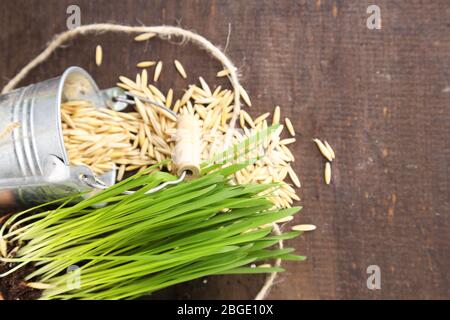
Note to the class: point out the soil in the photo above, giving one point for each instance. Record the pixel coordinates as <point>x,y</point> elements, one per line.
<point>13,287</point>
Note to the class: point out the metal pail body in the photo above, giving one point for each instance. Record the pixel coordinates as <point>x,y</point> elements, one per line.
<point>34,167</point>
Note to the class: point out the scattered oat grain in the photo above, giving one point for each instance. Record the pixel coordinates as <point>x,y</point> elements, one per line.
<point>327,173</point>
<point>333,155</point>
<point>245,96</point>
<point>323,149</point>
<point>304,227</point>
<point>223,73</point>
<point>276,115</point>
<point>294,177</point>
<point>180,69</point>
<point>98,55</point>
<point>9,129</point>
<point>289,126</point>
<point>146,64</point>
<point>145,36</point>
<point>158,70</point>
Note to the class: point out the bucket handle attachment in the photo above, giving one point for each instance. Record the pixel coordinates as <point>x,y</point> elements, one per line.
<point>92,181</point>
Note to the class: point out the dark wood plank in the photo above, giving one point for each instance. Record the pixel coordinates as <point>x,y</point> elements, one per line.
<point>380,97</point>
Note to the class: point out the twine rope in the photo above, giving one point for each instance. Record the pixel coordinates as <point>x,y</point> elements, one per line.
<point>166,33</point>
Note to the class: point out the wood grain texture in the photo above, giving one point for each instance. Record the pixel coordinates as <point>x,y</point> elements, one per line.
<point>380,97</point>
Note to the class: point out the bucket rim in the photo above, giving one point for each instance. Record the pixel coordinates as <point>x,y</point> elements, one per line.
<point>109,177</point>
<point>61,84</point>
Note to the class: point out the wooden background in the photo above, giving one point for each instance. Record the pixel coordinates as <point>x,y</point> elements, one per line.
<point>380,97</point>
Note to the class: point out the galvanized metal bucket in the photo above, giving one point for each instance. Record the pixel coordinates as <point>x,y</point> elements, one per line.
<point>34,167</point>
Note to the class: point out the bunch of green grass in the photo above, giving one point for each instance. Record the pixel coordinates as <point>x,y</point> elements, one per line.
<point>139,243</point>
